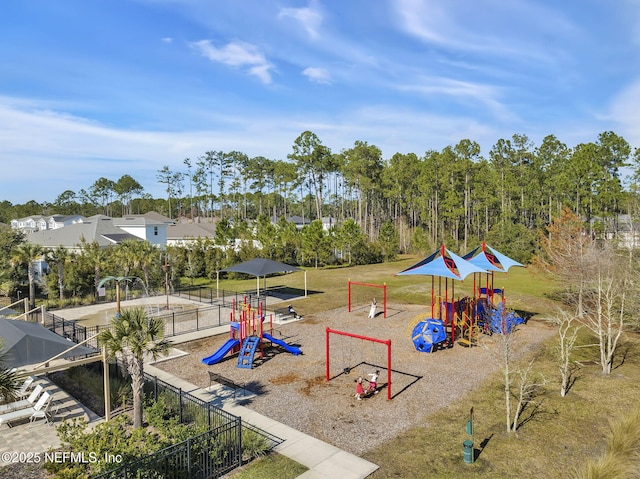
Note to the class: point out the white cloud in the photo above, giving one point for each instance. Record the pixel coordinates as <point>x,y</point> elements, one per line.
<point>463,92</point>
<point>318,75</point>
<point>519,29</point>
<point>70,152</point>
<point>310,17</point>
<point>624,111</point>
<point>167,40</point>
<point>237,54</point>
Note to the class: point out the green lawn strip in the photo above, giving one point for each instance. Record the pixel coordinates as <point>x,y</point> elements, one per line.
<point>561,435</point>
<point>272,466</point>
<point>526,289</point>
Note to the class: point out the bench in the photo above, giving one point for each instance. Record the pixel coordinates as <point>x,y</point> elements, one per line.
<point>218,378</point>
<point>282,314</point>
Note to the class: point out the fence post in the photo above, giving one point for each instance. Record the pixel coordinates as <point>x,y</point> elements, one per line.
<point>239,451</point>
<point>189,456</point>
<point>180,403</point>
<point>197,319</point>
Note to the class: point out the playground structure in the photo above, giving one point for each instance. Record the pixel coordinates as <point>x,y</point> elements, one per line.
<point>246,337</point>
<point>348,367</point>
<point>383,287</point>
<point>428,335</point>
<point>464,319</point>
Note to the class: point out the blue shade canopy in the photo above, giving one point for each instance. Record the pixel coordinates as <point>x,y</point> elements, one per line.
<point>488,258</point>
<point>445,264</point>
<point>261,267</point>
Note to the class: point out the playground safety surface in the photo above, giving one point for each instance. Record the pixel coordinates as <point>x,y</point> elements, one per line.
<point>293,389</point>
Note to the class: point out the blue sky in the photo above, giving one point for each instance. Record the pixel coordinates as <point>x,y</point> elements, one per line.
<point>103,88</point>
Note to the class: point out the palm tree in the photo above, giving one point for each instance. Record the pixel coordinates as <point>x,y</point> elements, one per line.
<point>26,254</point>
<point>59,257</point>
<point>8,379</point>
<point>95,256</point>
<point>132,336</point>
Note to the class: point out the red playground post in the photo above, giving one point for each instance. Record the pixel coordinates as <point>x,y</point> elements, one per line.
<point>382,286</point>
<point>386,342</point>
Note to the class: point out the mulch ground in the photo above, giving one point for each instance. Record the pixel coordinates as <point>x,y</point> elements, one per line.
<point>294,390</point>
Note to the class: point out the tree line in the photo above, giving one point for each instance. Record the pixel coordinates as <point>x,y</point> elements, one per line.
<point>74,275</point>
<point>455,196</point>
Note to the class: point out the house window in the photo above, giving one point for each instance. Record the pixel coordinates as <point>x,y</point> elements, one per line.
<point>155,231</point>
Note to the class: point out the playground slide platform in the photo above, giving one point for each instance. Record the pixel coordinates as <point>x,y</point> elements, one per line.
<point>292,349</point>
<point>221,353</point>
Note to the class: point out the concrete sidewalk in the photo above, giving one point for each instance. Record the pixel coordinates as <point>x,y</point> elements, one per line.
<point>323,460</point>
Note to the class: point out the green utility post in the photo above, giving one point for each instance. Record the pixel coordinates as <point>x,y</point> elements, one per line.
<point>468,444</point>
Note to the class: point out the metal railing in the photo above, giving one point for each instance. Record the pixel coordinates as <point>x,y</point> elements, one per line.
<point>204,294</point>
<point>211,454</point>
<point>176,322</point>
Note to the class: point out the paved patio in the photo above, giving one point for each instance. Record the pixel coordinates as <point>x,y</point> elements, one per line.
<point>323,460</point>
<point>40,436</point>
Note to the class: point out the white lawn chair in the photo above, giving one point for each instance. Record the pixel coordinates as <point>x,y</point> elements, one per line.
<point>47,412</point>
<point>24,403</point>
<point>33,413</point>
<point>23,392</point>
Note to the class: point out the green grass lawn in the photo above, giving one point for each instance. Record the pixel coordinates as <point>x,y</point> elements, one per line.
<point>558,435</point>
<point>273,466</point>
<point>524,288</point>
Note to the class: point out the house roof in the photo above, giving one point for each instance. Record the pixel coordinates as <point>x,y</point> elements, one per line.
<point>137,220</point>
<point>153,216</point>
<point>190,230</point>
<point>63,218</point>
<point>298,220</point>
<point>98,228</point>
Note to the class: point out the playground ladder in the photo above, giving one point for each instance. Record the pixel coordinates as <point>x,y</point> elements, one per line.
<point>249,346</point>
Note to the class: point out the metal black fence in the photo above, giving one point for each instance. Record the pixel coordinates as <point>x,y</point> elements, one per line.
<point>177,321</point>
<point>70,329</point>
<point>228,299</point>
<point>208,455</point>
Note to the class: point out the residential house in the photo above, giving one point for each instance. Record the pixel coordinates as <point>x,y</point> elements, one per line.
<point>299,221</point>
<point>328,222</point>
<point>184,234</point>
<point>625,229</point>
<point>30,224</point>
<point>103,230</point>
<point>145,228</point>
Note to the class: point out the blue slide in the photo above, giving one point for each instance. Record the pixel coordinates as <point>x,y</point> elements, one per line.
<point>292,349</point>
<point>221,353</point>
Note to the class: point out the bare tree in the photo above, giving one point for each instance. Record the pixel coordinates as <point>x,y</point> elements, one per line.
<point>602,276</point>
<point>527,389</point>
<point>607,298</point>
<point>521,387</point>
<point>569,250</point>
<point>568,328</point>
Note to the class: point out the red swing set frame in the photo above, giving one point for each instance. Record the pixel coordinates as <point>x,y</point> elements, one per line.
<point>386,342</point>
